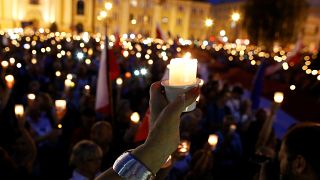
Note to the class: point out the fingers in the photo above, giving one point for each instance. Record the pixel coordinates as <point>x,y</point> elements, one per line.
<point>185,99</point>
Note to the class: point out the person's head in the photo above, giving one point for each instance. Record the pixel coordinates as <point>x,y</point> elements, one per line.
<point>237,92</point>
<point>300,152</point>
<point>86,157</point>
<point>101,133</point>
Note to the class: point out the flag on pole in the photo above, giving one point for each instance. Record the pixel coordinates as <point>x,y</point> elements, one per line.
<point>113,65</point>
<point>103,104</point>
<point>159,33</point>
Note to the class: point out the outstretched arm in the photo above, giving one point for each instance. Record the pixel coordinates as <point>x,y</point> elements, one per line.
<point>164,137</point>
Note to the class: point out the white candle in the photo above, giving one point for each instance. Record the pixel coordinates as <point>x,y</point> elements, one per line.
<point>19,110</point>
<point>213,140</point>
<point>10,81</point>
<point>182,71</point>
<point>278,97</point>
<point>135,117</point>
<point>31,97</point>
<point>60,105</point>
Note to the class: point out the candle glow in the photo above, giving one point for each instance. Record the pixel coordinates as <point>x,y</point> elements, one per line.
<point>9,80</point>
<point>183,71</point>
<point>135,117</point>
<point>213,140</point>
<point>19,110</point>
<point>278,97</point>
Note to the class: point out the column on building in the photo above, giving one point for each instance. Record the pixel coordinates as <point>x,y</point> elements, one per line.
<point>173,19</point>
<point>156,19</point>
<point>124,16</point>
<point>186,21</point>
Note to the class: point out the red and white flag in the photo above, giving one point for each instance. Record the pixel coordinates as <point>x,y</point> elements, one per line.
<point>102,96</point>
<point>159,33</point>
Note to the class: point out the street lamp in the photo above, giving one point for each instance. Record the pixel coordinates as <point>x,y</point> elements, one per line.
<point>108,6</point>
<point>208,23</point>
<point>235,17</point>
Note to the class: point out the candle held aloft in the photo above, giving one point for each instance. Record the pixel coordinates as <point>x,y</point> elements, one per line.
<point>213,141</point>
<point>182,71</point>
<point>9,81</point>
<point>135,117</point>
<point>278,97</point>
<point>19,110</point>
<point>60,105</point>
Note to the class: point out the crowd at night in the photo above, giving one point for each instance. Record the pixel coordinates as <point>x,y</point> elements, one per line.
<point>45,142</point>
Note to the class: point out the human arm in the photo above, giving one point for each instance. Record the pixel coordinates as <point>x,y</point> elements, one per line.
<point>164,137</point>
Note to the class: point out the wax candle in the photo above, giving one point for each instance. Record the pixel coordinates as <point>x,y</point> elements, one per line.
<point>9,80</point>
<point>278,97</point>
<point>213,140</point>
<point>135,117</point>
<point>60,105</point>
<point>182,71</point>
<point>19,110</point>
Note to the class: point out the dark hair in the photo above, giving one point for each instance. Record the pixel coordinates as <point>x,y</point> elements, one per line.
<point>302,139</point>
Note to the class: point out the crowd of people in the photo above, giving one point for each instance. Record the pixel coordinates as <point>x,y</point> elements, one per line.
<point>80,143</point>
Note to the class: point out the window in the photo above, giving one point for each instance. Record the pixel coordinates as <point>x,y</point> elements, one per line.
<point>164,20</point>
<point>131,16</point>
<point>180,8</point>
<point>80,7</point>
<point>34,1</point>
<point>179,22</point>
<point>316,31</point>
<point>194,11</point>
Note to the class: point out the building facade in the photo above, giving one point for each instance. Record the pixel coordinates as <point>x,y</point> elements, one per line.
<point>184,18</point>
<point>176,17</point>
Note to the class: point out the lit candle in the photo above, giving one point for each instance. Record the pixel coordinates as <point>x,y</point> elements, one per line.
<point>183,71</point>
<point>60,105</point>
<point>278,97</point>
<point>213,140</point>
<point>87,89</point>
<point>4,64</point>
<point>135,117</point>
<point>184,147</point>
<point>9,80</point>
<point>19,110</point>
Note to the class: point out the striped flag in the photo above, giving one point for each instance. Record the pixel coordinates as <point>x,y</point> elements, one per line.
<point>102,97</point>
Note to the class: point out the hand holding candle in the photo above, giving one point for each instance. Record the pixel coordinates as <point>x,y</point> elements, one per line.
<point>184,147</point>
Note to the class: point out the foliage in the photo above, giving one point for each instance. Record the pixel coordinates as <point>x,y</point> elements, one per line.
<point>270,21</point>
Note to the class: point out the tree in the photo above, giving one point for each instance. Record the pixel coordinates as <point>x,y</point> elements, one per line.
<point>270,21</point>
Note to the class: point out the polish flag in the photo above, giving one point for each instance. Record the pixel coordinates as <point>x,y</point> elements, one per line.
<point>159,33</point>
<point>102,97</point>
